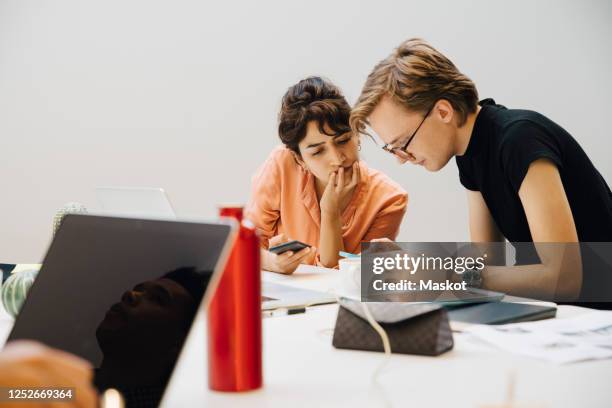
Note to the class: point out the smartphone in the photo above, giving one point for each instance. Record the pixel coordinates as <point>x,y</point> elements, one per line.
<point>288,246</point>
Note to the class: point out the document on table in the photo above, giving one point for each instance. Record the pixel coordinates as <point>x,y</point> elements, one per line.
<point>584,337</point>
<point>317,278</point>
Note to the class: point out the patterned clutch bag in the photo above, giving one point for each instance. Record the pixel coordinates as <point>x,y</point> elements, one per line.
<point>421,329</point>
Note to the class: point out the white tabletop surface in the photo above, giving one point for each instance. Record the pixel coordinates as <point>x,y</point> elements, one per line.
<point>303,369</point>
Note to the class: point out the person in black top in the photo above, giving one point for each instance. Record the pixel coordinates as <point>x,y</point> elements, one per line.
<point>503,145</point>
<point>528,180</point>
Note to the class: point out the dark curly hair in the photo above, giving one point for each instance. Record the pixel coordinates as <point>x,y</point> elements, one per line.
<point>312,99</point>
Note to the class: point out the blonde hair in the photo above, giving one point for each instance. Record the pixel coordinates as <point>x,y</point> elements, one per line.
<point>416,75</point>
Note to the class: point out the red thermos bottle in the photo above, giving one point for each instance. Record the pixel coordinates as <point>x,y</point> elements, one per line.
<point>234,316</point>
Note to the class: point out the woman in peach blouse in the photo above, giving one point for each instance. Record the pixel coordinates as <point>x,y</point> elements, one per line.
<point>315,189</point>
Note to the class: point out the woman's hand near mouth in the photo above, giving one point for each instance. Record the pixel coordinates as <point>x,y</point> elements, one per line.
<point>334,199</point>
<point>339,189</point>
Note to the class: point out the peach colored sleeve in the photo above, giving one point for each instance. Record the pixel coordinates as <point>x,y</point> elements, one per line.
<point>387,222</point>
<point>263,208</point>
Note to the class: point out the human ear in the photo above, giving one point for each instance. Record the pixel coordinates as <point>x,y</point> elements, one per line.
<point>444,111</point>
<point>300,162</point>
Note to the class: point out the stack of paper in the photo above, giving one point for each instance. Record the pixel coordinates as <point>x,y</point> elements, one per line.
<point>584,337</point>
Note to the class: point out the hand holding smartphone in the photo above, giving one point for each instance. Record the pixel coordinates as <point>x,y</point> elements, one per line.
<point>293,246</point>
<point>285,255</point>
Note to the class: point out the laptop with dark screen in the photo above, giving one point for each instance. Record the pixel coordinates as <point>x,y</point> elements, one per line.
<point>123,293</point>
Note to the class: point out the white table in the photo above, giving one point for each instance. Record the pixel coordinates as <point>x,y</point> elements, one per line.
<point>303,369</point>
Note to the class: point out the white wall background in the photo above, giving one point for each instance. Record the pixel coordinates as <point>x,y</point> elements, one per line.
<point>184,94</point>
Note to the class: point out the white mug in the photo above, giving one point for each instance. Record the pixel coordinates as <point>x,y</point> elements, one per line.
<point>349,283</point>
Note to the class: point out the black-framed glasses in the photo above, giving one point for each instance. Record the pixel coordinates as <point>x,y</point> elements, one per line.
<point>394,150</point>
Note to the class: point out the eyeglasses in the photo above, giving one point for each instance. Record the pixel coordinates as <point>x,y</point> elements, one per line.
<point>395,150</point>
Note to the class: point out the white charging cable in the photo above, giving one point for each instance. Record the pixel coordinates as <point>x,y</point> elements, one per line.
<point>376,326</point>
<point>384,338</point>
<point>379,330</point>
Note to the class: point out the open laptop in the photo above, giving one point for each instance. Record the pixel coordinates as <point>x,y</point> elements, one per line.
<point>135,201</point>
<point>122,293</point>
<point>154,202</point>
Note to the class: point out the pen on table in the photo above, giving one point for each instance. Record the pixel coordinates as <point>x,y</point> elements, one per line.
<point>283,312</point>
